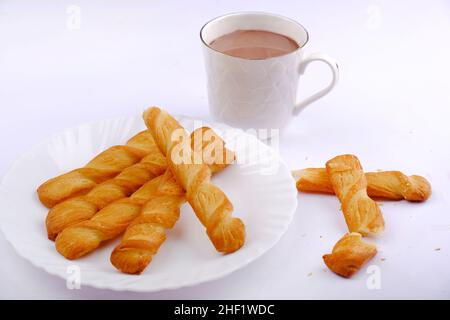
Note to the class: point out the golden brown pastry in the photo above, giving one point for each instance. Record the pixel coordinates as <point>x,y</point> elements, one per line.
<point>84,237</point>
<point>211,205</point>
<point>396,185</point>
<point>78,240</point>
<point>147,232</point>
<point>313,180</point>
<point>82,208</point>
<point>392,185</point>
<point>103,167</point>
<point>361,213</point>
<point>349,254</point>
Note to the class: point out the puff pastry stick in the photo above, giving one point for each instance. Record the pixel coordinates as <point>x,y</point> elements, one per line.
<point>361,213</point>
<point>84,237</point>
<point>147,232</point>
<point>104,166</point>
<point>82,208</point>
<point>349,254</point>
<point>211,205</point>
<point>391,185</point>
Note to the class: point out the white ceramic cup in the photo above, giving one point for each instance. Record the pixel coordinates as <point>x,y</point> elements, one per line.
<point>261,93</point>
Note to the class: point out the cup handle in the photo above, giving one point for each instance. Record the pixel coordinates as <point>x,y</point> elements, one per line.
<point>319,94</point>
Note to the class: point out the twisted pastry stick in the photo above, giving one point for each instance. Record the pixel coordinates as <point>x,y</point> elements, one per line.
<point>361,213</point>
<point>210,204</point>
<point>104,166</point>
<point>84,237</point>
<point>349,254</point>
<point>82,208</point>
<point>147,232</point>
<point>392,185</point>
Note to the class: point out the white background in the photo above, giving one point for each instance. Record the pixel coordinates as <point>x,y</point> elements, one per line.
<point>391,109</point>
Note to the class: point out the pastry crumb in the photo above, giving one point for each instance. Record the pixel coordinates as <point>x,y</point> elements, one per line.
<point>437,249</point>
<point>310,274</point>
<point>383,259</point>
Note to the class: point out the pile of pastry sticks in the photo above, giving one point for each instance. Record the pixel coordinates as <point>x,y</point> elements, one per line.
<point>344,176</point>
<point>137,190</point>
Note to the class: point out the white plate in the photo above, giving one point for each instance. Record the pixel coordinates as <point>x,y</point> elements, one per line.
<point>259,185</point>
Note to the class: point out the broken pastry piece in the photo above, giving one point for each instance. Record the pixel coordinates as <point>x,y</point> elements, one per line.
<point>362,214</point>
<point>391,185</point>
<point>349,254</point>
